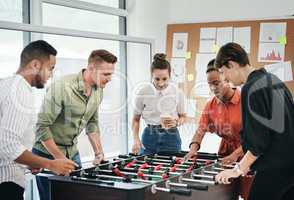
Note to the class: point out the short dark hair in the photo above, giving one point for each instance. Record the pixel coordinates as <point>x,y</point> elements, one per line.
<point>160,62</point>
<point>102,55</point>
<point>231,52</point>
<point>211,67</point>
<point>40,50</point>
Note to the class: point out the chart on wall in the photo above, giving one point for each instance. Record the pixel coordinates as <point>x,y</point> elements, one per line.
<point>272,41</point>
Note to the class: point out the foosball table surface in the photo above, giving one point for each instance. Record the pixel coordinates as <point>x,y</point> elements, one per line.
<point>148,177</point>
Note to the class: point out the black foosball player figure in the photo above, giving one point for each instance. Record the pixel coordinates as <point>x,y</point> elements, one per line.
<point>267,126</point>
<point>161,105</point>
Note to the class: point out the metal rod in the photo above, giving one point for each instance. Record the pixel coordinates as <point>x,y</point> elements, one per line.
<point>199,181</point>
<point>130,173</point>
<point>121,178</point>
<point>210,172</point>
<point>202,176</point>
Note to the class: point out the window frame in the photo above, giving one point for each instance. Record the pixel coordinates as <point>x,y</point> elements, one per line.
<point>32,23</point>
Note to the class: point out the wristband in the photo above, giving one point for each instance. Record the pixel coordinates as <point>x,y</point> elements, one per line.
<point>195,143</point>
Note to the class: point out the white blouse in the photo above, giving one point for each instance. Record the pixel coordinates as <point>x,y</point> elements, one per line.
<point>151,103</point>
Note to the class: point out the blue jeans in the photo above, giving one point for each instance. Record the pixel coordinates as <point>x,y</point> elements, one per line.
<point>156,140</point>
<point>42,182</point>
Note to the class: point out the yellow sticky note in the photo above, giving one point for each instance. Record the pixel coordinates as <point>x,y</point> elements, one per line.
<point>190,77</point>
<point>188,55</point>
<point>215,48</point>
<point>283,40</point>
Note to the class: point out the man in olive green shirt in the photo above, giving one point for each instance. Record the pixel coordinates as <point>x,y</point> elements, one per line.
<point>70,106</point>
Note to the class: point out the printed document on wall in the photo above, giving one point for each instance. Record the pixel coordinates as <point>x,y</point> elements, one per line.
<point>178,66</point>
<point>180,41</point>
<point>242,36</point>
<point>224,36</point>
<point>282,70</point>
<point>271,52</point>
<point>201,87</point>
<point>207,40</point>
<point>272,32</point>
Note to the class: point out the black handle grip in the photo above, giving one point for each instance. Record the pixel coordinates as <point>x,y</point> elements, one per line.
<point>132,155</point>
<point>123,156</point>
<point>197,187</point>
<point>181,192</point>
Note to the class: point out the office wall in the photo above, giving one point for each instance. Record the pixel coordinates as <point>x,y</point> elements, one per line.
<point>148,18</point>
<point>189,11</point>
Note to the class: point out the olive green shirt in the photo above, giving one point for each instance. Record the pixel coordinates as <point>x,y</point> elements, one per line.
<point>65,112</point>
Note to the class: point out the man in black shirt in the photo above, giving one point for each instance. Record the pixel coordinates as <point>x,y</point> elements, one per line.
<point>267,134</point>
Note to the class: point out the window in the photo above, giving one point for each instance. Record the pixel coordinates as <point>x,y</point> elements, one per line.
<point>138,57</point>
<point>92,29</point>
<point>110,3</point>
<point>72,18</point>
<point>72,56</point>
<point>11,10</point>
<point>11,47</point>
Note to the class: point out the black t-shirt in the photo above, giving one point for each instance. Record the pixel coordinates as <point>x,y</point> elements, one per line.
<point>268,121</point>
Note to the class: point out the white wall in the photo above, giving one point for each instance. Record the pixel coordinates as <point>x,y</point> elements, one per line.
<point>189,11</point>
<point>148,18</point>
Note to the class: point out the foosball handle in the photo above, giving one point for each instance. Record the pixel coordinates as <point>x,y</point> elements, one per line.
<point>181,192</point>
<point>123,156</point>
<point>132,155</point>
<point>198,187</point>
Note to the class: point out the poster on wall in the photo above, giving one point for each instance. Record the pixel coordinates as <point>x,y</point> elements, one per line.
<point>178,66</point>
<point>272,41</point>
<point>242,36</point>
<point>282,70</point>
<point>272,32</point>
<point>208,33</point>
<point>207,39</point>
<point>180,41</point>
<point>201,87</point>
<point>224,35</point>
<point>271,52</point>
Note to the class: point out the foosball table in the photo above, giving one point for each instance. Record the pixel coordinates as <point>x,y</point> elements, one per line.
<point>149,177</point>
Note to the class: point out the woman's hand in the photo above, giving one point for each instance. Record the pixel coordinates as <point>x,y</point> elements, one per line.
<point>98,158</point>
<point>180,121</point>
<point>170,123</point>
<point>225,176</point>
<point>137,146</point>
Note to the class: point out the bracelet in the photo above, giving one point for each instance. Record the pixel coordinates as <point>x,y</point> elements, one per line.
<point>195,143</point>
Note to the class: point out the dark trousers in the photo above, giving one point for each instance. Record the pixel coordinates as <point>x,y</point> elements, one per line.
<point>11,191</point>
<point>42,181</point>
<point>273,185</point>
<point>156,140</point>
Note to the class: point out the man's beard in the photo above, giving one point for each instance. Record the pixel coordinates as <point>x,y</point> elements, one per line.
<point>38,83</point>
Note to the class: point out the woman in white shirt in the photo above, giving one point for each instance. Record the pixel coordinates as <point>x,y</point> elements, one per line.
<point>161,105</point>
